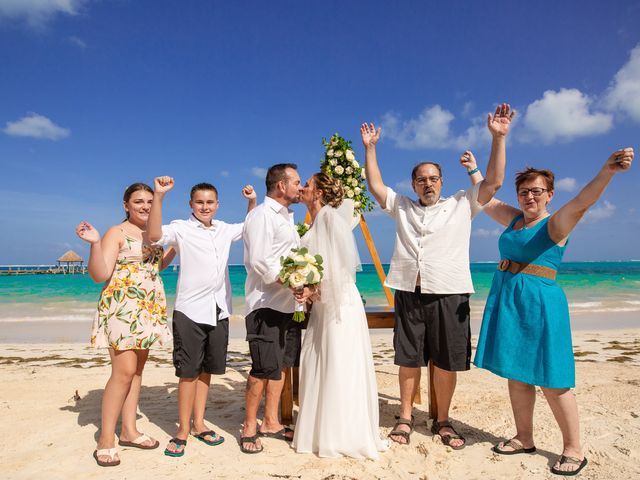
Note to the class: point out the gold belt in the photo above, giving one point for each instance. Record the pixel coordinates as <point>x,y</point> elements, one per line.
<point>507,265</point>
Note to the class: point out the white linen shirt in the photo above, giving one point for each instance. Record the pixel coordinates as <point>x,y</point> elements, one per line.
<point>204,276</point>
<point>432,241</point>
<point>269,233</point>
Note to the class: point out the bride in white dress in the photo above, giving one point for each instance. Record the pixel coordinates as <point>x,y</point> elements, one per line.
<point>338,393</point>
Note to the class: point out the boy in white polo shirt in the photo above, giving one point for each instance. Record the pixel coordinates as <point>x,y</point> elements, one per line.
<point>203,301</point>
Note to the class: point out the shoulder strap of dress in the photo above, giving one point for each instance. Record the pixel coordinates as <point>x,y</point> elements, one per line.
<point>515,219</point>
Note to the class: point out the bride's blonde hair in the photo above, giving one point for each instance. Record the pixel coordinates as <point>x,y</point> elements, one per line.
<point>332,190</point>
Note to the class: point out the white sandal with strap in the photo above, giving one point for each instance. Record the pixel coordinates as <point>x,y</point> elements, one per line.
<point>107,452</point>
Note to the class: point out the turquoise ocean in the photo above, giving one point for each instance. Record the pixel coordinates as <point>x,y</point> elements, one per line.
<point>591,287</point>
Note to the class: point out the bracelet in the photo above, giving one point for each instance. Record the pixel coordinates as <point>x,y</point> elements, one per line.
<point>471,172</point>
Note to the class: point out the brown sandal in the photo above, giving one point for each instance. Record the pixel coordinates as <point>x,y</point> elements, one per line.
<point>401,433</point>
<point>447,437</point>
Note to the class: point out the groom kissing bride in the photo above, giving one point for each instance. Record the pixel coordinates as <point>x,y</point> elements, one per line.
<point>338,412</point>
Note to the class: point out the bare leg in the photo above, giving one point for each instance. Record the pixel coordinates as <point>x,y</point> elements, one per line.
<point>200,405</point>
<point>271,420</point>
<point>565,410</point>
<point>444,382</point>
<point>523,400</point>
<point>253,396</point>
<point>130,431</point>
<point>409,379</point>
<point>123,369</point>
<point>186,396</point>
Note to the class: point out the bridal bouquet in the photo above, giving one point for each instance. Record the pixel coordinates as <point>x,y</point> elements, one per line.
<point>340,162</point>
<point>300,269</point>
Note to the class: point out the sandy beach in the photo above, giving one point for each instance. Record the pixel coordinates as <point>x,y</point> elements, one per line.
<point>47,428</point>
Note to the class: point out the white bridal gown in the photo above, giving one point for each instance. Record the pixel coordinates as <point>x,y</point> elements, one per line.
<point>339,411</point>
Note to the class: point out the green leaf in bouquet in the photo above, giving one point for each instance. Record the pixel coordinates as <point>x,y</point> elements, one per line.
<point>318,259</point>
<point>310,278</point>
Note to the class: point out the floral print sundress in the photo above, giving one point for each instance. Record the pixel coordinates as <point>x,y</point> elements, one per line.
<point>132,310</point>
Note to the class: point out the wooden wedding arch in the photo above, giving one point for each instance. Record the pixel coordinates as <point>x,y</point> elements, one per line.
<point>377,317</point>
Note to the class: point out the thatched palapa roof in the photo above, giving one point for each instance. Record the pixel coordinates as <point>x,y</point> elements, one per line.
<point>70,256</point>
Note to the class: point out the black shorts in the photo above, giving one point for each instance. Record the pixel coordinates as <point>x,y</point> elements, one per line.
<point>274,342</point>
<point>199,348</point>
<point>432,327</point>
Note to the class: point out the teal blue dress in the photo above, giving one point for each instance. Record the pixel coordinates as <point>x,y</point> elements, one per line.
<point>526,332</point>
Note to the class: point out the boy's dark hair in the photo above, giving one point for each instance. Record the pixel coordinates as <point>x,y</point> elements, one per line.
<point>203,186</point>
<point>277,173</point>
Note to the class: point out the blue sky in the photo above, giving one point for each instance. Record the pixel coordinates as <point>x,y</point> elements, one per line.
<point>95,95</point>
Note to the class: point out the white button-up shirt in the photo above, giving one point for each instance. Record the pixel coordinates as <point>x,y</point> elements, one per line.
<point>203,282</point>
<point>432,241</point>
<point>269,233</point>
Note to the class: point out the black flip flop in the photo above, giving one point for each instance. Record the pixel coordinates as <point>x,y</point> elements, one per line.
<point>280,434</point>
<point>572,460</point>
<point>515,444</point>
<point>249,440</point>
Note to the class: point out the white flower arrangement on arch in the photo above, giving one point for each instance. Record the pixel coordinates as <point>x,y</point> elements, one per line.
<point>340,162</point>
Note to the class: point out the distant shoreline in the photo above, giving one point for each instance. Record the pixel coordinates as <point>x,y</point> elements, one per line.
<point>77,331</point>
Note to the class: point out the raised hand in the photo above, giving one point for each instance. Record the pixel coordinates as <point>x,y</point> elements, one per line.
<point>248,192</point>
<point>500,122</point>
<point>86,232</point>
<point>163,184</point>
<point>468,161</point>
<point>370,135</point>
<point>620,160</point>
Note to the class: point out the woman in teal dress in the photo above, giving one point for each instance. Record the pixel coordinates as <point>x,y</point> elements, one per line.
<point>526,334</point>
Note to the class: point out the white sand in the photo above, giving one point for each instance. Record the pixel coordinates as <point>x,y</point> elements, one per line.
<point>44,432</point>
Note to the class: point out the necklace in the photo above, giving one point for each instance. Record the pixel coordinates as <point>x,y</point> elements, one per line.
<point>533,222</point>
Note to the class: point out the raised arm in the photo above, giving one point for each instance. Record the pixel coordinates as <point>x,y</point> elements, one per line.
<point>468,161</point>
<point>498,125</point>
<point>103,253</point>
<point>562,223</point>
<point>370,137</point>
<point>250,194</point>
<point>499,211</point>
<point>161,185</point>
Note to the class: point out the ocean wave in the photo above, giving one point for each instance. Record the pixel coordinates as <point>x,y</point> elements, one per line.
<point>585,305</point>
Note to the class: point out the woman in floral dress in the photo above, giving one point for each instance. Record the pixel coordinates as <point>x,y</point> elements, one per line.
<point>131,316</point>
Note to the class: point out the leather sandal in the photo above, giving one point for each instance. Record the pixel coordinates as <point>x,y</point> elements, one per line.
<point>401,433</point>
<point>447,437</point>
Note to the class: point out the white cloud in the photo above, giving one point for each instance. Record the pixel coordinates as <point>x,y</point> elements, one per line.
<point>224,173</point>
<point>431,129</point>
<point>563,116</point>
<point>566,184</point>
<point>467,109</point>
<point>36,126</point>
<point>600,212</point>
<point>259,172</point>
<point>486,233</point>
<point>37,13</point>
<point>624,92</point>
<point>78,42</point>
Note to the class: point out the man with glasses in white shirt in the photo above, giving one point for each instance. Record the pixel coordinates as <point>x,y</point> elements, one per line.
<point>430,274</point>
<point>274,338</point>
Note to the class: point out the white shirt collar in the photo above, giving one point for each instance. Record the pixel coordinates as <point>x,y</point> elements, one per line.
<point>276,206</point>
<point>198,224</point>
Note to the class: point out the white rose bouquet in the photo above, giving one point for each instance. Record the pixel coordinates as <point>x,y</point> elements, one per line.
<point>300,269</point>
<point>340,162</point>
